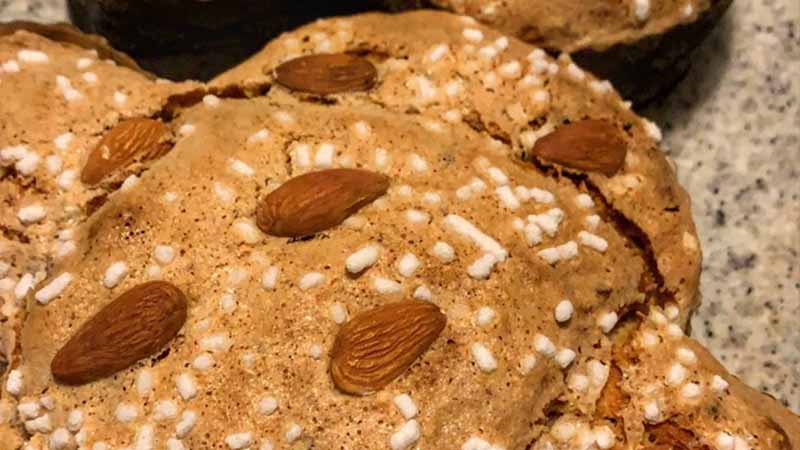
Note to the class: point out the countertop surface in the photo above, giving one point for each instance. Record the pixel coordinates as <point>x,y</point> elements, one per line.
<point>733,127</point>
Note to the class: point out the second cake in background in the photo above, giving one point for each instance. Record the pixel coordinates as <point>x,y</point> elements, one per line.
<point>643,46</point>
<point>180,39</point>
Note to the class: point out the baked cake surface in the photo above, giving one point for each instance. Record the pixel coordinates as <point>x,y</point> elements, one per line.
<point>644,46</point>
<point>572,25</point>
<point>563,292</point>
<point>59,93</point>
<point>57,99</point>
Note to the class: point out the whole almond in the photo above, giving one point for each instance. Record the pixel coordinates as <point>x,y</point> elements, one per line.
<point>137,324</point>
<point>316,201</point>
<point>327,74</point>
<point>378,345</point>
<point>588,145</point>
<point>138,139</point>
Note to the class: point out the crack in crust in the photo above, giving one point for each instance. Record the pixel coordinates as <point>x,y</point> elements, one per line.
<point>670,436</point>
<point>652,281</point>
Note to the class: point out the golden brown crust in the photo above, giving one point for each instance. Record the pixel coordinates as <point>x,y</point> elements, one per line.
<point>58,97</point>
<point>699,404</point>
<point>646,192</point>
<point>64,32</point>
<point>644,47</point>
<point>570,25</point>
<point>552,281</point>
<point>783,424</point>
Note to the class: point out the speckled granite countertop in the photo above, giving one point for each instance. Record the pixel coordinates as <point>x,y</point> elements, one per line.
<point>733,127</point>
<point>38,10</point>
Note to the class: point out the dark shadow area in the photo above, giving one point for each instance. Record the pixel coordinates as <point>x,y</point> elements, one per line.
<point>182,39</point>
<point>709,63</point>
<point>191,39</point>
<point>646,70</point>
